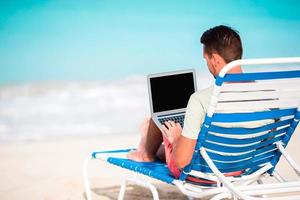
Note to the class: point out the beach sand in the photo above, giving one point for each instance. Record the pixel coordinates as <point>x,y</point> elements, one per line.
<point>53,169</point>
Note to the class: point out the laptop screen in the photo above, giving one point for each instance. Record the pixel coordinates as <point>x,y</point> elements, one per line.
<point>171,91</point>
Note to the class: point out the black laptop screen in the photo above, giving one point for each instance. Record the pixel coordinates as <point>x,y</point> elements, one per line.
<point>172,91</point>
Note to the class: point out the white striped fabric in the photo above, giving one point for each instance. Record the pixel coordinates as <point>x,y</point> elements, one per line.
<point>259,95</point>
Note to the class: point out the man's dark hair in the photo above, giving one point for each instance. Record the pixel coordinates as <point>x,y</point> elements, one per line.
<point>224,41</point>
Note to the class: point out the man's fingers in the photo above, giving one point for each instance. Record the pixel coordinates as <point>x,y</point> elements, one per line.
<point>164,128</point>
<point>168,124</point>
<point>172,123</point>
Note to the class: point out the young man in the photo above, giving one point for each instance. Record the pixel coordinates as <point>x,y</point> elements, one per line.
<point>221,45</point>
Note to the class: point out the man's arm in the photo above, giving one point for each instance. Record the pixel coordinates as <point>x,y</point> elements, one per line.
<point>184,141</point>
<point>183,150</point>
<point>183,147</point>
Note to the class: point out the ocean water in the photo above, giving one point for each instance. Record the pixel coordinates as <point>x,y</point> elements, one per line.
<point>54,110</point>
<point>43,41</point>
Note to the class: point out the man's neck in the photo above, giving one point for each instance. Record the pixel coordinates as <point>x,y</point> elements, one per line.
<point>235,70</point>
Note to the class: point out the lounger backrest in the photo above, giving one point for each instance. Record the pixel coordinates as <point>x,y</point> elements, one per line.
<point>248,114</point>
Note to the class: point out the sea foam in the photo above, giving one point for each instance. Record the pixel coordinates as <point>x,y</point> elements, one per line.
<point>51,110</point>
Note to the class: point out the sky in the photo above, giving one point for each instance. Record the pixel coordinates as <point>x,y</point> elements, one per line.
<point>73,40</point>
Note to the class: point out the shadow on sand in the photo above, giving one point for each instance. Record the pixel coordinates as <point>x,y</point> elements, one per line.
<point>134,192</point>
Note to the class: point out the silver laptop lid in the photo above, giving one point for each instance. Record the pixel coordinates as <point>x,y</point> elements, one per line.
<point>170,92</point>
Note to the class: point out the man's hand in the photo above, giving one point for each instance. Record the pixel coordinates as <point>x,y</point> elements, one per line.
<point>172,131</point>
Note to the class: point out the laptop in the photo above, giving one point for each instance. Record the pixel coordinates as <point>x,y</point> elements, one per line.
<point>169,94</point>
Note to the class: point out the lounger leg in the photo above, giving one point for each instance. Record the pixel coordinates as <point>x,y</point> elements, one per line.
<point>278,177</point>
<point>259,181</point>
<point>189,198</point>
<point>86,181</point>
<point>289,159</point>
<point>139,182</point>
<point>122,190</point>
<point>222,196</point>
<point>154,192</point>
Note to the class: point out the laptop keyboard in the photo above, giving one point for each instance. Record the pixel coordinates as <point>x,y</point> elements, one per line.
<point>177,119</point>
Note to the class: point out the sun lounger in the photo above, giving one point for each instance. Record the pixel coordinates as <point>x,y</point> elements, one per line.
<point>224,144</point>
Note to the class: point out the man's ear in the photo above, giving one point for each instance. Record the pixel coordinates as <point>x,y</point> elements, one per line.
<point>218,60</point>
<point>214,59</point>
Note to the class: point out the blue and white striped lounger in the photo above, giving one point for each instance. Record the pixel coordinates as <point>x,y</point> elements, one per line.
<point>157,170</point>
<point>224,145</point>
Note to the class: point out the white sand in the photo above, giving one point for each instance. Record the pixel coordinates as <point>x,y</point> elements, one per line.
<point>53,169</point>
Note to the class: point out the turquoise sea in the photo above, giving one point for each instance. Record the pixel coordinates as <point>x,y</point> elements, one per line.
<point>61,40</point>
<point>78,67</point>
